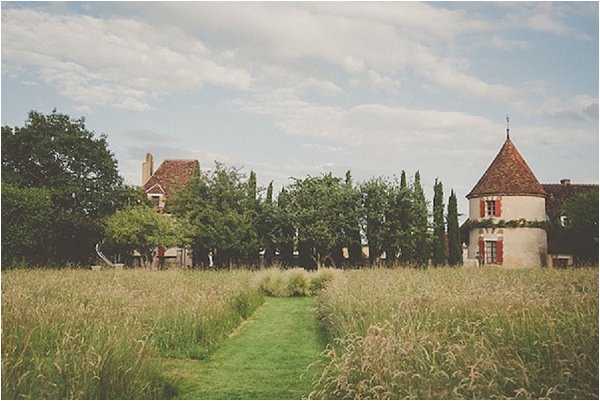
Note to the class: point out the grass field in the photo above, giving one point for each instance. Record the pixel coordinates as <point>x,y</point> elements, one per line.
<point>87,334</point>
<point>461,333</point>
<point>391,333</point>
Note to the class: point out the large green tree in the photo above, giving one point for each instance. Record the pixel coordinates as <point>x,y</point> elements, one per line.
<point>75,165</point>
<point>140,228</point>
<point>218,207</point>
<point>374,193</point>
<point>284,229</point>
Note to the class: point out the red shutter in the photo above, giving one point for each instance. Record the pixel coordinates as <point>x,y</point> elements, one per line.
<point>498,208</point>
<point>499,251</point>
<point>482,208</point>
<point>481,250</point>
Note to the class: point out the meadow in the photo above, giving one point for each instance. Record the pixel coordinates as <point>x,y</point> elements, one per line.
<point>386,333</point>
<point>460,333</point>
<point>100,334</point>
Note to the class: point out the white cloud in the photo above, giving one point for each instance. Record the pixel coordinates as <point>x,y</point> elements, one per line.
<point>508,44</point>
<point>387,40</point>
<point>118,62</point>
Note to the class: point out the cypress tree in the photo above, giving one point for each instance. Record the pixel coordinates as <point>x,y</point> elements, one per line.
<point>252,189</point>
<point>439,229</point>
<point>403,180</point>
<point>269,198</point>
<point>454,241</point>
<point>422,248</point>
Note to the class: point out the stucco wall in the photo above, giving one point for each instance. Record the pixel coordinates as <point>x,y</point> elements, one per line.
<point>531,208</point>
<point>523,247</point>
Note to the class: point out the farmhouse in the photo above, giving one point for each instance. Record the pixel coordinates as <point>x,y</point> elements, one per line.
<point>509,212</point>
<point>161,184</point>
<point>170,176</point>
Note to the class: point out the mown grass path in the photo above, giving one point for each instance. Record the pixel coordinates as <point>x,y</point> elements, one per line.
<point>266,359</point>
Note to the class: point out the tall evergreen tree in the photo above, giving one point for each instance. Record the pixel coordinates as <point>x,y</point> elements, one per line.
<point>439,229</point>
<point>403,180</point>
<point>422,251</point>
<point>269,197</point>
<point>454,241</point>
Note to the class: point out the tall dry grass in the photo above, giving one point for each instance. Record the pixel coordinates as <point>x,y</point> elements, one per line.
<point>461,333</point>
<point>82,334</point>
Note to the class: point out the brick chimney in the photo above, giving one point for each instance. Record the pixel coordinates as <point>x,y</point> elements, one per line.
<point>565,181</point>
<point>147,168</point>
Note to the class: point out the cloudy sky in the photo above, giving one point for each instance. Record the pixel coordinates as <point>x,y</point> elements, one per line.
<point>296,89</point>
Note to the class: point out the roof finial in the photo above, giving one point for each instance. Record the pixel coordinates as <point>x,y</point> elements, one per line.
<point>507,127</point>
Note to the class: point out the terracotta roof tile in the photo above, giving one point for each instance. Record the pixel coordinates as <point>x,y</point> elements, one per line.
<point>172,175</point>
<point>508,174</point>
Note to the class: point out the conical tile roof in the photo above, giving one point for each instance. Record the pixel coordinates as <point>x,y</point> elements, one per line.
<point>508,174</point>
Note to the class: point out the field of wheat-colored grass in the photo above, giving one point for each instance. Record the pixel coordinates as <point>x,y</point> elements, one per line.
<point>83,334</point>
<point>460,333</point>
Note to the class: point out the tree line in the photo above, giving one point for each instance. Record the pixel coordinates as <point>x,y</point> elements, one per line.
<point>315,221</point>
<point>62,195</point>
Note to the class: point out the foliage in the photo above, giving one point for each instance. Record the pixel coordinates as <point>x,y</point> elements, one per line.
<point>439,256</point>
<point>581,212</point>
<point>293,282</point>
<point>316,206</point>
<point>375,204</point>
<point>60,155</point>
<point>218,207</point>
<point>284,231</point>
<point>454,241</point>
<point>422,248</point>
<point>97,335</point>
<point>142,229</point>
<point>27,219</point>
<point>460,333</point>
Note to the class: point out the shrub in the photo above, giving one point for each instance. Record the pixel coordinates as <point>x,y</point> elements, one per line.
<point>297,283</point>
<point>319,280</point>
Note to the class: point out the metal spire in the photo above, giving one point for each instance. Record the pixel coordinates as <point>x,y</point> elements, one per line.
<point>507,127</point>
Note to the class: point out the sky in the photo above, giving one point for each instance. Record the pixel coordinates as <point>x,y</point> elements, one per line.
<point>296,89</point>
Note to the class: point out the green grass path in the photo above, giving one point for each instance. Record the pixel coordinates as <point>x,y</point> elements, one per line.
<point>266,359</point>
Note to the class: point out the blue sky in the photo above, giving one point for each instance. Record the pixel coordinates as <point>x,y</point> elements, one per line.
<point>303,88</point>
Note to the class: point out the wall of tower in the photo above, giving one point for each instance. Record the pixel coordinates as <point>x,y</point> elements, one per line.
<point>530,208</point>
<point>523,247</point>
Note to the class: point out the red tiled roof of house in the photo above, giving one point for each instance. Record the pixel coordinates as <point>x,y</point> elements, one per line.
<point>171,175</point>
<point>557,194</point>
<point>508,174</point>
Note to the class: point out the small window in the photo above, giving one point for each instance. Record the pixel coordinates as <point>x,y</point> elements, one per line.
<point>490,207</point>
<point>155,199</point>
<point>490,252</point>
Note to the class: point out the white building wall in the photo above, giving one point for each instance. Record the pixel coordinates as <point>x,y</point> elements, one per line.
<point>523,246</point>
<point>531,208</point>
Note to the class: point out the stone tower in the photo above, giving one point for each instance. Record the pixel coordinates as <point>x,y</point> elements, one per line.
<point>147,168</point>
<point>507,209</point>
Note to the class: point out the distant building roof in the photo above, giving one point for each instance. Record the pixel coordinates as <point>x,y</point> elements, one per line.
<point>508,174</point>
<point>171,176</point>
<point>557,194</point>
